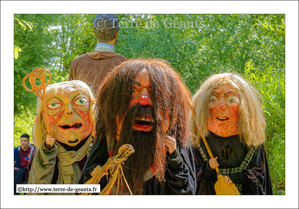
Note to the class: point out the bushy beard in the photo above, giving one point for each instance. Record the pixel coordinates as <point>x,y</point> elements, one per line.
<point>144,144</point>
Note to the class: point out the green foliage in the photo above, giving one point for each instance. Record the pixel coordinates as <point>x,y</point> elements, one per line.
<point>17,49</point>
<point>53,43</point>
<point>271,84</point>
<point>23,123</point>
<point>196,45</point>
<point>29,24</point>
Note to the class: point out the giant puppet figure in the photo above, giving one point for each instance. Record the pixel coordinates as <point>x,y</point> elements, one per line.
<point>228,114</point>
<point>62,133</point>
<point>145,104</point>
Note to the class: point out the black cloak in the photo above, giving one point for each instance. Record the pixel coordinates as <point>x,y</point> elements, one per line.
<point>179,175</point>
<point>254,179</point>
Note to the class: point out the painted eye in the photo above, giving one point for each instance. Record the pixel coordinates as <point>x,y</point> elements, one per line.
<point>81,101</point>
<point>54,105</point>
<point>232,99</point>
<point>213,99</point>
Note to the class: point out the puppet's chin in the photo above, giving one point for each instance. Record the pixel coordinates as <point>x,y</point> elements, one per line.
<point>71,138</point>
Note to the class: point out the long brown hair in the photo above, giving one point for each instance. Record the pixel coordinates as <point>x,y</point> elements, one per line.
<point>171,99</point>
<point>168,92</point>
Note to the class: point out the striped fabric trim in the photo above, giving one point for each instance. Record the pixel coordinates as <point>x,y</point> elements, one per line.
<point>248,158</point>
<point>243,166</point>
<point>202,154</point>
<point>228,171</point>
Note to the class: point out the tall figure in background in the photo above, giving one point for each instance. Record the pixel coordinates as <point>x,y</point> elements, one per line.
<point>145,104</point>
<point>228,113</point>
<point>92,67</point>
<point>62,133</point>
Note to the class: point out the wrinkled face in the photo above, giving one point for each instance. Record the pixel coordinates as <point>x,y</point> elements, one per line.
<point>67,116</point>
<point>24,143</point>
<point>141,95</point>
<point>223,111</point>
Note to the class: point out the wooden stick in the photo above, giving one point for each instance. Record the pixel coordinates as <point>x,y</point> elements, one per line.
<point>209,151</point>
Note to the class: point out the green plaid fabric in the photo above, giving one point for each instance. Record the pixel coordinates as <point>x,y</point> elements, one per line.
<point>228,171</point>
<point>243,166</point>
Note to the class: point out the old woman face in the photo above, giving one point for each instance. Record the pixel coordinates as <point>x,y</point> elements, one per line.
<point>224,105</point>
<point>67,116</point>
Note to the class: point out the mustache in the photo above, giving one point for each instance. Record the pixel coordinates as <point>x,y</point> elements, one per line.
<point>141,111</point>
<point>135,113</point>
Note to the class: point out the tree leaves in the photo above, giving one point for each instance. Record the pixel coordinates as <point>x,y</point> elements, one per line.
<point>17,50</point>
<point>29,24</point>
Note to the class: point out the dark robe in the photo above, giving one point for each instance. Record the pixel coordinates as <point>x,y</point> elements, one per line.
<point>255,179</point>
<point>179,174</point>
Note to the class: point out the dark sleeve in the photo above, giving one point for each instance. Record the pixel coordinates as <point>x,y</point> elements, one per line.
<point>98,156</point>
<point>16,158</point>
<point>90,164</point>
<point>86,175</point>
<point>205,180</point>
<point>29,166</point>
<point>257,179</point>
<point>238,178</point>
<point>180,174</point>
<point>207,170</point>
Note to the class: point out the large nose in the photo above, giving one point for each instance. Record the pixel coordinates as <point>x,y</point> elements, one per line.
<point>222,105</point>
<point>69,110</point>
<point>145,98</point>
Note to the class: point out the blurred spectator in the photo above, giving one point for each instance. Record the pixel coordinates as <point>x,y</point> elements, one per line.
<point>23,155</point>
